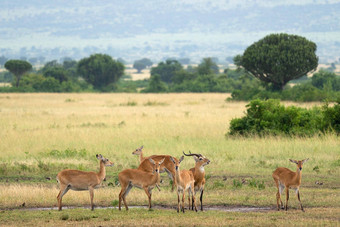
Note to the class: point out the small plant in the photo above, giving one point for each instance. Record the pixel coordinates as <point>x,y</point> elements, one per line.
<point>64,217</point>
<point>155,103</point>
<point>237,184</point>
<point>129,103</point>
<point>253,183</point>
<point>69,100</point>
<point>115,203</point>
<point>68,153</point>
<point>261,186</point>
<point>121,124</point>
<point>81,218</point>
<point>94,125</point>
<point>218,184</point>
<point>43,166</point>
<point>316,169</point>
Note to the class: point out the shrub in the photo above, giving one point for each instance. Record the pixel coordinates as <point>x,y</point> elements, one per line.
<point>271,118</point>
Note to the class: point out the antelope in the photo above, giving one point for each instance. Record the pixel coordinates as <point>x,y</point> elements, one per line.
<point>129,178</point>
<point>78,180</point>
<point>167,165</point>
<point>285,178</point>
<point>185,181</point>
<point>199,173</point>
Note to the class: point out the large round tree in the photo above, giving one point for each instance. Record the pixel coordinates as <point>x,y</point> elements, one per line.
<point>18,68</point>
<point>279,58</point>
<point>100,70</point>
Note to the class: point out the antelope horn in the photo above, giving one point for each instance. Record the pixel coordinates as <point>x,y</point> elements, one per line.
<point>190,154</point>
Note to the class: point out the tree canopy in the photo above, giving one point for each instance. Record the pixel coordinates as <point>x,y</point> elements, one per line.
<point>100,70</point>
<point>167,70</point>
<point>279,58</point>
<point>208,66</point>
<point>18,68</point>
<point>139,66</point>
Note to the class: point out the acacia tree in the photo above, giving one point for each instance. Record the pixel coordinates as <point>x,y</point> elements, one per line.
<point>279,58</point>
<point>18,68</point>
<point>100,70</point>
<point>139,66</point>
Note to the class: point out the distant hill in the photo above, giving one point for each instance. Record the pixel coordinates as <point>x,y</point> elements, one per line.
<point>158,29</point>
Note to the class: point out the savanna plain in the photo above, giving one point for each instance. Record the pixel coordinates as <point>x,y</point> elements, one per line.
<point>42,134</point>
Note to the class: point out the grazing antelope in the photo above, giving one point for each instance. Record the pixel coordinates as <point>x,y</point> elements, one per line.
<point>185,181</point>
<point>199,173</point>
<point>285,178</point>
<point>78,180</point>
<point>167,166</point>
<point>129,178</point>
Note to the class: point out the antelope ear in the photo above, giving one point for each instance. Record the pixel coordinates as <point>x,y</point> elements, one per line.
<point>303,161</point>
<point>172,159</point>
<point>293,161</point>
<point>98,156</point>
<point>196,159</point>
<point>152,161</point>
<point>161,161</point>
<point>141,147</point>
<point>181,159</point>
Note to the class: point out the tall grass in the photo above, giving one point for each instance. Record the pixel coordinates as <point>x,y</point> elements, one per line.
<point>42,134</point>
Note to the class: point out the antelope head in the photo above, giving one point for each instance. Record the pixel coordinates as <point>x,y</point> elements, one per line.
<point>177,163</point>
<point>156,164</point>
<point>105,161</point>
<point>299,163</point>
<point>199,159</point>
<point>138,151</point>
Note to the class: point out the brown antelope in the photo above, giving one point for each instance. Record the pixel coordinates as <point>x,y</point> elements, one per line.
<point>78,180</point>
<point>129,178</point>
<point>167,166</point>
<point>285,178</point>
<point>199,173</point>
<point>185,181</point>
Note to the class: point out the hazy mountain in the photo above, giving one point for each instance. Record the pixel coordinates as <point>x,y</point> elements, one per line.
<point>158,29</point>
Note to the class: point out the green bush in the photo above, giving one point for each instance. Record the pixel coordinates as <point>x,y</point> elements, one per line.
<point>271,118</point>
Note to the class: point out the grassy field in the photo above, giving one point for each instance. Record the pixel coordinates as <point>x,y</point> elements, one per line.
<point>42,134</point>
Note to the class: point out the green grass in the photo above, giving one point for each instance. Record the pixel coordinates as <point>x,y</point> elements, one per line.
<point>138,217</point>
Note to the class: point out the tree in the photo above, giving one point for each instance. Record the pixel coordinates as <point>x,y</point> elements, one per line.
<point>208,66</point>
<point>139,66</point>
<point>146,61</point>
<point>184,61</point>
<point>167,70</point>
<point>279,58</point>
<point>58,73</point>
<point>121,60</point>
<point>100,70</point>
<point>156,85</point>
<point>33,60</point>
<point>325,78</point>
<point>18,68</point>
<point>3,60</point>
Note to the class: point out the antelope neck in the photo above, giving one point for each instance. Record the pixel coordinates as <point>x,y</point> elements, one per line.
<point>298,174</point>
<point>141,158</point>
<point>199,169</point>
<point>102,171</point>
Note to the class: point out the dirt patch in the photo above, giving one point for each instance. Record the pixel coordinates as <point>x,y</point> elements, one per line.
<point>167,207</point>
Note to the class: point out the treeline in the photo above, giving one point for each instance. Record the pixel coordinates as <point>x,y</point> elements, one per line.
<point>274,67</point>
<point>168,76</point>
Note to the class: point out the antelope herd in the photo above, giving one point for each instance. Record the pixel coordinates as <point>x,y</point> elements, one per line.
<point>147,176</point>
